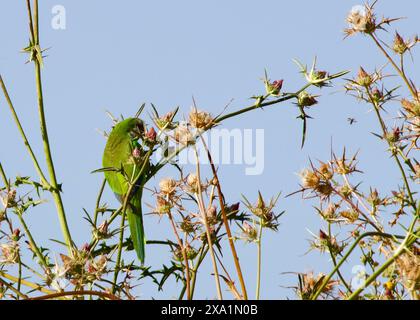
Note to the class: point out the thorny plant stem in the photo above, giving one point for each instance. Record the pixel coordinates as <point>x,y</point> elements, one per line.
<point>218,120</point>
<point>334,260</point>
<point>32,242</point>
<point>354,192</point>
<point>55,188</point>
<point>200,201</point>
<point>398,69</point>
<point>98,203</point>
<point>10,287</point>
<point>409,240</point>
<point>100,294</point>
<point>26,283</point>
<point>226,222</point>
<point>345,257</point>
<point>182,247</point>
<point>394,155</point>
<point>119,253</point>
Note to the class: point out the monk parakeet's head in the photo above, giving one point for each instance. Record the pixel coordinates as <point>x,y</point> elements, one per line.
<point>135,127</point>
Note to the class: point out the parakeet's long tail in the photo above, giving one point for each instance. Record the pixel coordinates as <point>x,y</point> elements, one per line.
<point>135,221</point>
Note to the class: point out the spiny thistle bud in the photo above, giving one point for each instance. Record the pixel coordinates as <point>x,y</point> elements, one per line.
<point>417,173</point>
<point>325,171</point>
<point>165,122</point>
<point>85,248</point>
<point>16,235</point>
<point>394,135</point>
<point>323,235</point>
<point>187,225</point>
<point>151,136</point>
<point>273,88</point>
<point>412,108</point>
<point>9,199</point>
<point>102,231</point>
<point>9,253</point>
<point>250,233</point>
<point>212,215</point>
<point>342,167</point>
<point>345,191</point>
<point>364,79</point>
<point>136,153</point>
<point>192,183</point>
<point>306,100</point>
<point>190,252</point>
<point>374,198</point>
<point>377,95</point>
<point>400,46</point>
<point>168,186</point>
<point>350,215</point>
<point>200,119</point>
<point>330,212</point>
<point>162,205</point>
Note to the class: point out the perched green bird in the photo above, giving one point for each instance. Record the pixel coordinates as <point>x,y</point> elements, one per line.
<point>125,159</point>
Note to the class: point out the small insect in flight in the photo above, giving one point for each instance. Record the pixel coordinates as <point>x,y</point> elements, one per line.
<point>351,121</point>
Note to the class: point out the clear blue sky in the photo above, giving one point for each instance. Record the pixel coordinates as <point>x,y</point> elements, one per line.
<point>116,54</point>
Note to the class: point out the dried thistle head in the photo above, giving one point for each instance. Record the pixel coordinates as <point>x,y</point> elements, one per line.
<point>309,285</point>
<point>249,232</point>
<point>401,46</point>
<point>312,179</point>
<point>200,119</point>
<point>211,215</point>
<point>183,135</point>
<point>168,187</point>
<point>8,199</point>
<point>192,183</point>
<point>350,216</point>
<point>411,108</point>
<point>361,19</point>
<point>409,268</point>
<point>9,253</point>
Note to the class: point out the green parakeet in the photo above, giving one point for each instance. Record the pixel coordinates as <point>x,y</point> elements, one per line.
<point>126,157</point>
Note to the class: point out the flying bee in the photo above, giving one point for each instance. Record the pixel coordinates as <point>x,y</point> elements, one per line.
<point>351,121</point>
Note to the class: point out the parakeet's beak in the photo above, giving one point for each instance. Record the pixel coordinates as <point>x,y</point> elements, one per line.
<point>138,131</point>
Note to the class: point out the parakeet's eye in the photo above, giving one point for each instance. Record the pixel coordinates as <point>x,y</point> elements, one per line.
<point>138,130</point>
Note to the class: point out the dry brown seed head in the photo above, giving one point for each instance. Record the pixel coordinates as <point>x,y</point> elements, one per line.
<point>168,186</point>
<point>200,119</point>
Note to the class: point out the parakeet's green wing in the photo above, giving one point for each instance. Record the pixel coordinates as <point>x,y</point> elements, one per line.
<point>118,154</point>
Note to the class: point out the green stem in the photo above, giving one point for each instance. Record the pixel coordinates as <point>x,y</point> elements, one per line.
<point>400,71</point>
<point>120,247</point>
<point>334,260</point>
<point>23,135</point>
<point>98,202</point>
<point>32,242</point>
<point>407,243</point>
<point>55,188</point>
<point>353,246</point>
